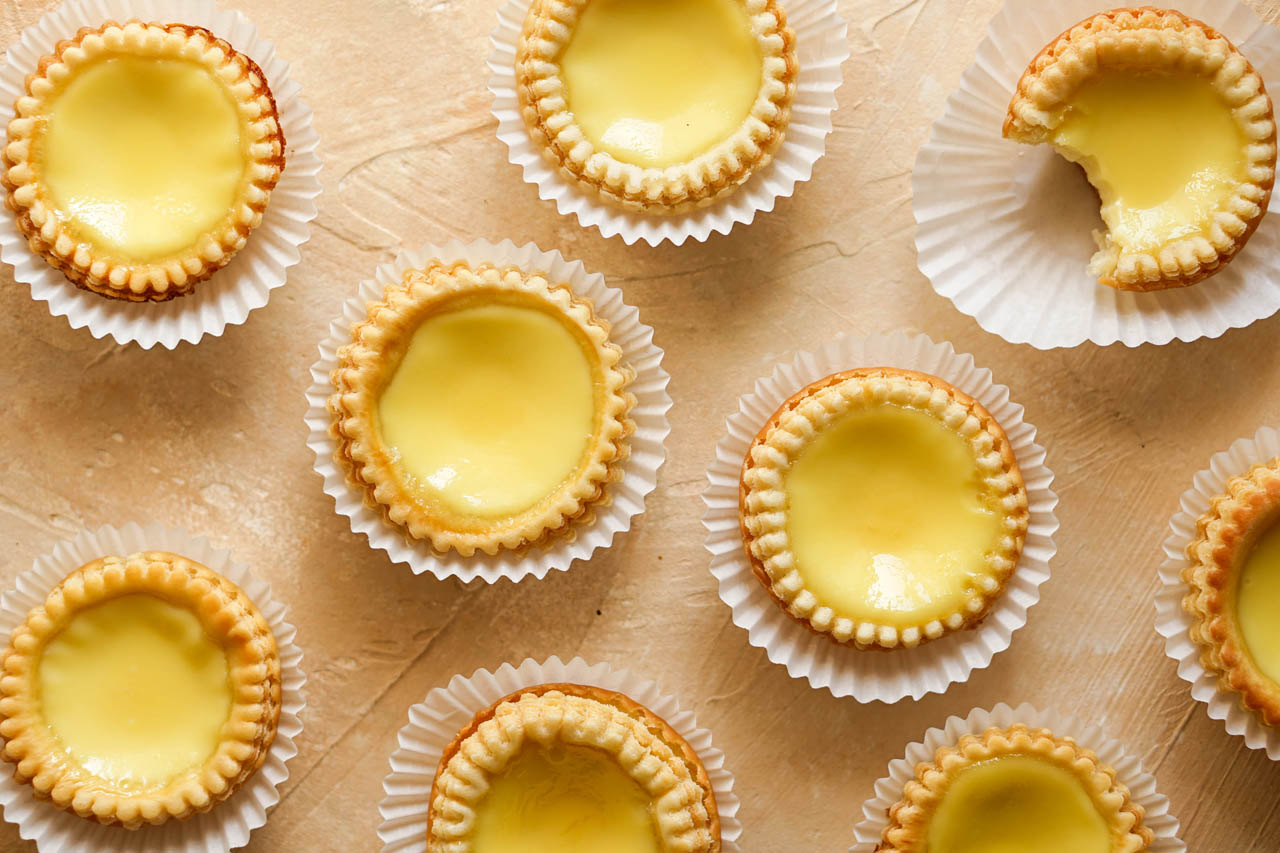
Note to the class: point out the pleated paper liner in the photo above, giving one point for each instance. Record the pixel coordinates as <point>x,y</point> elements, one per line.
<point>274,246</point>
<point>640,471</point>
<point>1004,229</point>
<point>1141,784</point>
<point>228,824</point>
<point>870,676</point>
<point>822,47</point>
<point>1174,624</point>
<point>434,722</point>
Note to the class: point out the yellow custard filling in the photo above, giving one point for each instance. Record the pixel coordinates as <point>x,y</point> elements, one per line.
<point>888,517</point>
<point>565,799</point>
<point>491,409</point>
<point>1163,150</point>
<point>142,156</point>
<point>1017,804</point>
<point>135,690</point>
<point>658,82</point>
<point>1258,603</point>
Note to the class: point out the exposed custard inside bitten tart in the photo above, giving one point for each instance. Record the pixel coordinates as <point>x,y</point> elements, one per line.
<point>883,507</point>
<point>144,688</point>
<point>481,409</point>
<point>1174,129</point>
<point>658,106</point>
<point>141,156</point>
<point>565,768</point>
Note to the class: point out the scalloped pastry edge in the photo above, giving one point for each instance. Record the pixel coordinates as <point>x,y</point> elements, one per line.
<point>1145,37</point>
<point>177,275</point>
<point>762,497</point>
<point>702,181</point>
<point>228,616</point>
<point>364,368</point>
<point>644,745</point>
<point>909,818</point>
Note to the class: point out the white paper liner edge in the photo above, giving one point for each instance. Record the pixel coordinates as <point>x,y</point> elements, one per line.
<point>1174,624</point>
<point>228,824</point>
<point>822,46</point>
<point>1141,784</point>
<point>640,471</point>
<point>246,283</point>
<point>1003,229</point>
<point>434,722</point>
<point>870,676</point>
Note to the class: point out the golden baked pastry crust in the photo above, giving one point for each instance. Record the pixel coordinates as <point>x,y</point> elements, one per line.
<point>367,364</point>
<point>1149,38</point>
<point>228,616</point>
<point>909,818</point>
<point>780,442</point>
<point>644,745</point>
<point>43,224</point>
<point>1225,534</point>
<point>701,181</point>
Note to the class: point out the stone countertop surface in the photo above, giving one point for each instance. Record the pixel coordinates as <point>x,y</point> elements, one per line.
<point>210,437</point>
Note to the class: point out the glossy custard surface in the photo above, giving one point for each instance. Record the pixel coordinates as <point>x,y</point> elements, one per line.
<point>1017,804</point>
<point>565,799</point>
<point>491,409</point>
<point>136,690</point>
<point>888,517</point>
<point>1258,603</point>
<point>1163,150</point>
<point>658,82</point>
<point>142,156</point>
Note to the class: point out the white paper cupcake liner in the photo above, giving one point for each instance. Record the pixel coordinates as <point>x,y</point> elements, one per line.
<point>436,721</point>
<point>261,266</point>
<point>1004,230</point>
<point>228,824</point>
<point>639,472</point>
<point>1174,624</point>
<point>1141,784</point>
<point>845,670</point>
<point>822,47</point>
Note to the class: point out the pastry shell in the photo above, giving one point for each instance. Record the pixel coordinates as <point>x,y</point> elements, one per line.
<point>1225,534</point>
<point>177,274</point>
<point>763,502</point>
<point>706,178</point>
<point>366,365</point>
<point>1147,38</point>
<point>909,818</point>
<point>228,616</point>
<point>643,744</point>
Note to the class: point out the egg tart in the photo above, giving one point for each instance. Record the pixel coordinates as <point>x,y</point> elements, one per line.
<point>1016,789</point>
<point>883,508</point>
<point>1233,577</point>
<point>1173,128</point>
<point>144,688</point>
<point>566,768</point>
<point>482,408</point>
<point>657,106</point>
<point>141,156</point>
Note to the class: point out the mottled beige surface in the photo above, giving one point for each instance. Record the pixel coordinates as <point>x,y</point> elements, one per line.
<point>211,437</point>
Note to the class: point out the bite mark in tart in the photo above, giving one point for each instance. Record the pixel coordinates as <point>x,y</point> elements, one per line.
<point>657,106</point>
<point>482,409</point>
<point>882,507</point>
<point>144,688</point>
<point>141,156</point>
<point>1233,578</point>
<point>566,768</point>
<point>1174,129</point>
<point>1015,789</point>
